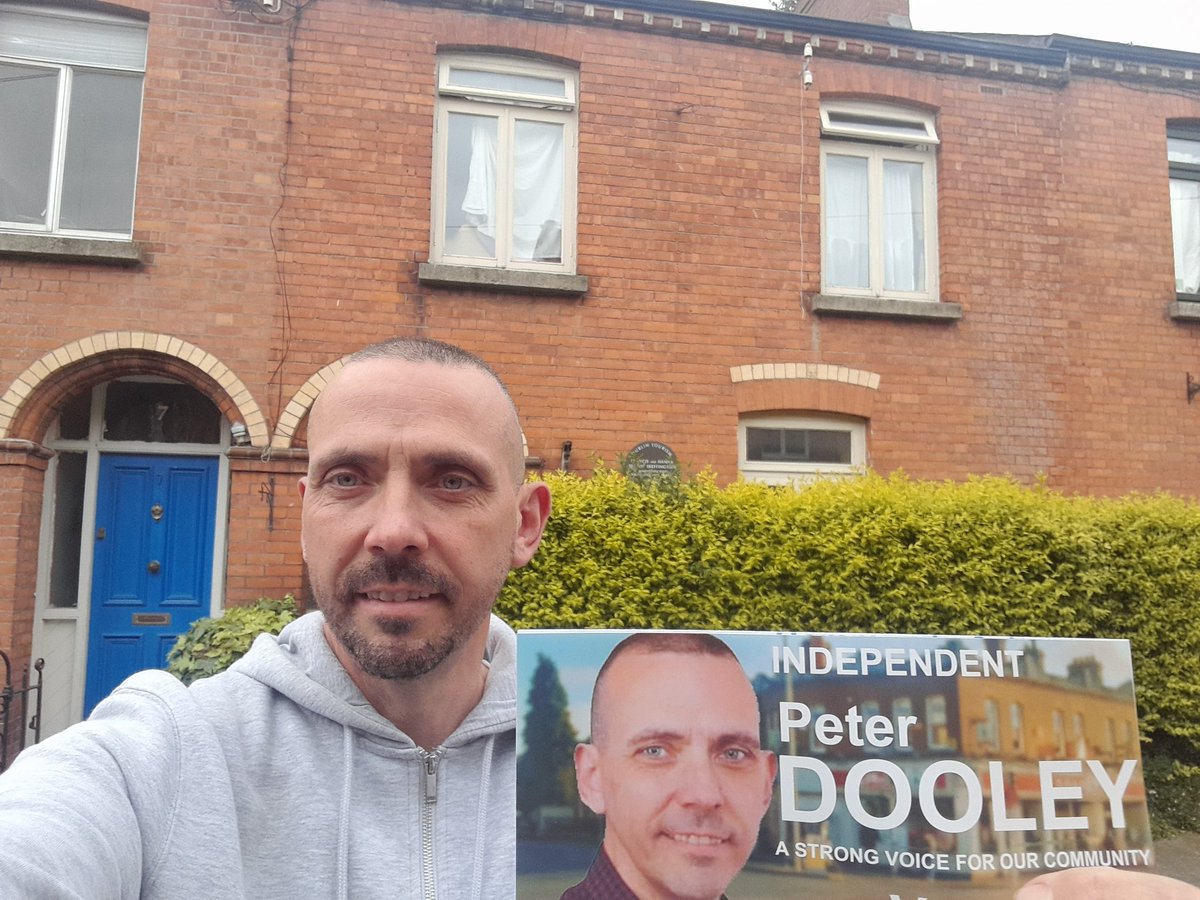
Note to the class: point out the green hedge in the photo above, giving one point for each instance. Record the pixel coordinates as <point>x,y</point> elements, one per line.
<point>882,555</point>
<point>871,555</point>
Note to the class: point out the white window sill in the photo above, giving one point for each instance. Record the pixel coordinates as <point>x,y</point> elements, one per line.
<point>501,279</point>
<point>68,249</point>
<point>873,307</point>
<point>1184,310</point>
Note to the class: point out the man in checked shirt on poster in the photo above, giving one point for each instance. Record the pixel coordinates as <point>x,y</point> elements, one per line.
<point>676,768</point>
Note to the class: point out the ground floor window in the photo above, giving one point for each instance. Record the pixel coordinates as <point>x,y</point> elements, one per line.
<point>780,448</point>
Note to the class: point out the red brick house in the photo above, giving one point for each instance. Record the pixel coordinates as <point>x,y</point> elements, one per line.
<point>774,243</point>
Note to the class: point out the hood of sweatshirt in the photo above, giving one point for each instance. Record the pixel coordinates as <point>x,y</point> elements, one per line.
<point>299,664</point>
<point>477,815</point>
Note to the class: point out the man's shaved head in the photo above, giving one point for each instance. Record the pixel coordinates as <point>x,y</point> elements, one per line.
<point>646,643</point>
<point>427,350</point>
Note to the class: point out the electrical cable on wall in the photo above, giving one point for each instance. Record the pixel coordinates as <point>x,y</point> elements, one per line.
<point>807,80</point>
<point>282,12</point>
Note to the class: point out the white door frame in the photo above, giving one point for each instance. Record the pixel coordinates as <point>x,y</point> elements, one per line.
<point>60,634</point>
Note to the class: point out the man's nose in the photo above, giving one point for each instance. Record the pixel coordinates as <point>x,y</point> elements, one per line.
<point>699,783</point>
<point>397,523</point>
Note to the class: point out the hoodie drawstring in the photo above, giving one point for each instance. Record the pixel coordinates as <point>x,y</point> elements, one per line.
<point>343,848</point>
<point>481,820</point>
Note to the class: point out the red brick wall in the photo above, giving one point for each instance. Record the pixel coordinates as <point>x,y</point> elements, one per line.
<point>264,526</point>
<point>285,230</point>
<point>22,467</point>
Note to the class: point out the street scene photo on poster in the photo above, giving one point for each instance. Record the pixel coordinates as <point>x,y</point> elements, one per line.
<point>768,765</point>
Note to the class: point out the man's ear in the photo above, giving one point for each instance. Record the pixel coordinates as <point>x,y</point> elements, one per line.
<point>302,484</point>
<point>771,770</point>
<point>533,510</point>
<point>588,778</point>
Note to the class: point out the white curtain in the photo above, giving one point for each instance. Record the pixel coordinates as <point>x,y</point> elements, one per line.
<point>479,202</point>
<point>537,189</point>
<point>847,250</point>
<point>1185,225</point>
<point>903,226</point>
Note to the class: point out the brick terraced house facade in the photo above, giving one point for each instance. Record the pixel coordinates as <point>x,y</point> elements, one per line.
<point>778,244</point>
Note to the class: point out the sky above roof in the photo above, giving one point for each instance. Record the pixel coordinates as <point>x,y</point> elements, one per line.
<point>1167,24</point>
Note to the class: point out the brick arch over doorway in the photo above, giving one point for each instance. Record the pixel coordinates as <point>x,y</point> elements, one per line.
<point>293,415</point>
<point>38,393</point>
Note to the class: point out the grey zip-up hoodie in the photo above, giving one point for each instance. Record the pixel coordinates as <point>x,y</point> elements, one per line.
<point>275,779</point>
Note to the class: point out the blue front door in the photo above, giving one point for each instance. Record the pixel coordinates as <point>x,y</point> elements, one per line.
<point>152,574</point>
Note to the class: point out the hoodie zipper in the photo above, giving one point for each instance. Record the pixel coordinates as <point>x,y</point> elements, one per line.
<point>429,781</point>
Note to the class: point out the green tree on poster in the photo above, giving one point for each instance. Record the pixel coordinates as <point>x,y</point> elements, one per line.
<point>546,770</point>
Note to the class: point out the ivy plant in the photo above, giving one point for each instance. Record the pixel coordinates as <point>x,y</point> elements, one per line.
<point>212,645</point>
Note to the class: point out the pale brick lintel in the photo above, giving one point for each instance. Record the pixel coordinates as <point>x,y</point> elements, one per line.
<point>817,387</point>
<point>804,372</point>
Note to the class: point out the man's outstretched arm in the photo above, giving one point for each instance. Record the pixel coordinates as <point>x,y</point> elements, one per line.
<point>1106,884</point>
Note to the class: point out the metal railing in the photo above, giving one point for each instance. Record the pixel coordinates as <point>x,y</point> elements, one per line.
<point>18,697</point>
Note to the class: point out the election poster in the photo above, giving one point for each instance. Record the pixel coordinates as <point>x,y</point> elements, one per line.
<point>759,766</point>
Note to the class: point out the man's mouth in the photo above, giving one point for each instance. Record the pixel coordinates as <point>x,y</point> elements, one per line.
<point>694,839</point>
<point>398,595</point>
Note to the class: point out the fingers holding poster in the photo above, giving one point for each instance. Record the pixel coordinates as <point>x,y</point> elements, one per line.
<point>763,765</point>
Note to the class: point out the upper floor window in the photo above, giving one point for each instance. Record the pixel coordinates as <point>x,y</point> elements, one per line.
<point>902,709</point>
<point>780,448</point>
<point>878,201</point>
<point>1016,724</point>
<point>1183,157</point>
<point>505,164</point>
<point>987,731</point>
<point>71,103</point>
<point>937,720</point>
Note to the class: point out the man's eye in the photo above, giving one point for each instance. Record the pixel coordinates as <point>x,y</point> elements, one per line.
<point>455,482</point>
<point>654,752</point>
<point>735,754</point>
<point>344,479</point>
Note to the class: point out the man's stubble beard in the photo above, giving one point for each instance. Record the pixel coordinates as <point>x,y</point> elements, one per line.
<point>385,659</point>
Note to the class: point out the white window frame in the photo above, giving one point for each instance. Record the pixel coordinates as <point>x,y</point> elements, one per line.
<point>856,120</point>
<point>1184,175</point>
<point>1058,722</point>
<point>507,107</point>
<point>987,730</point>
<point>781,472</point>
<point>1016,723</point>
<point>902,708</point>
<point>127,39</point>
<point>937,716</point>
<point>877,133</point>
